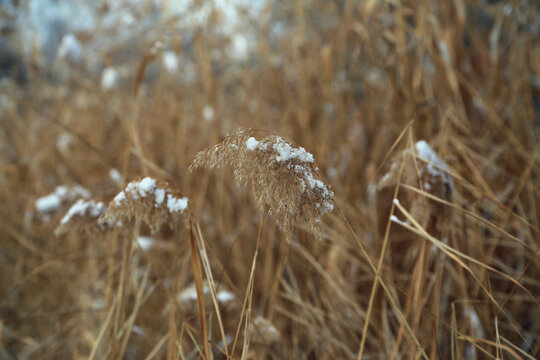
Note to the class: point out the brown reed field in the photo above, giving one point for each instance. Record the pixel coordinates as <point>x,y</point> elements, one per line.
<point>365,186</point>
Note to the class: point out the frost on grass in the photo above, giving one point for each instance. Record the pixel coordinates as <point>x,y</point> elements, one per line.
<point>61,194</point>
<point>424,170</point>
<point>149,200</point>
<point>280,176</point>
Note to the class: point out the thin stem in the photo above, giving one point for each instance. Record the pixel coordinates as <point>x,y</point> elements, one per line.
<point>249,294</point>
<point>379,266</point>
<point>389,295</point>
<point>197,275</point>
<point>212,285</point>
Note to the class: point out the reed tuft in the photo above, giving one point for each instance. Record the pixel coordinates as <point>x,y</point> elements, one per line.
<point>280,176</point>
<point>152,201</point>
<point>83,215</point>
<point>426,171</point>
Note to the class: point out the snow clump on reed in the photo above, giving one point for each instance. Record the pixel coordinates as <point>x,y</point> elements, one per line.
<point>149,200</point>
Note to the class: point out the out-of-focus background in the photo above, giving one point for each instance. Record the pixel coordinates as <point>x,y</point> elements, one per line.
<point>94,94</point>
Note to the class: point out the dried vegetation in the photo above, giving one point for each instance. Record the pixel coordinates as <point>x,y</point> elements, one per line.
<point>433,103</point>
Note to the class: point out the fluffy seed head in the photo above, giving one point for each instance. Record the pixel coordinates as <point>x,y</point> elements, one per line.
<point>152,201</point>
<point>280,176</point>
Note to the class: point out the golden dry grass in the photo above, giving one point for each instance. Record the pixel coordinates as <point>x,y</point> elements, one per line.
<point>454,276</point>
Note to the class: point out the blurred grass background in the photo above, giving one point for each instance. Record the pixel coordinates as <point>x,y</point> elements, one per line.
<point>344,79</point>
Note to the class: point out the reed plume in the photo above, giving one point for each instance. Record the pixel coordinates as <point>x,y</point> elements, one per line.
<point>83,215</point>
<point>149,200</point>
<point>426,171</point>
<point>280,176</point>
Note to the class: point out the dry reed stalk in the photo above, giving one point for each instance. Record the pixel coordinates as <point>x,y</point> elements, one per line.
<point>140,297</point>
<point>223,296</point>
<point>421,167</point>
<point>379,267</point>
<point>155,202</point>
<point>249,293</point>
<point>279,175</point>
<point>173,316</point>
<point>197,275</point>
<point>155,49</point>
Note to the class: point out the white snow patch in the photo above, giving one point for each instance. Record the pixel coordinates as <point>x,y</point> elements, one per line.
<point>476,323</point>
<point>62,193</point>
<point>119,198</point>
<point>396,201</point>
<point>109,78</point>
<point>48,203</point>
<point>287,152</point>
<point>70,48</point>
<point>175,204</point>
<point>145,242</point>
<point>225,296</point>
<point>116,176</point>
<point>396,220</point>
<point>190,293</point>
<point>208,113</point>
<point>63,141</point>
<point>146,185</point>
<point>170,61</point>
<point>240,47</point>
<point>252,143</point>
<point>82,208</point>
<point>149,186</point>
<point>435,164</point>
<point>136,189</point>
<point>138,330</point>
<point>160,196</point>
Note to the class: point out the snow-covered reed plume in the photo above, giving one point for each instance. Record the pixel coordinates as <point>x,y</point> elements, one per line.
<point>149,200</point>
<point>424,170</point>
<point>61,195</point>
<point>264,332</point>
<point>82,214</point>
<point>280,176</point>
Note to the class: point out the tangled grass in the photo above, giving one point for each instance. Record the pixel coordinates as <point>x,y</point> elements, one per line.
<point>438,259</point>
